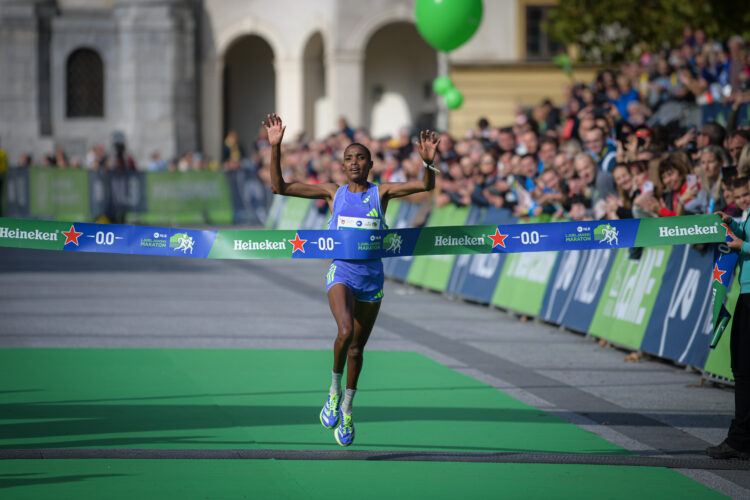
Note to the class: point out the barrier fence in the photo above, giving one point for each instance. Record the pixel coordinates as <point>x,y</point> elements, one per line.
<point>168,198</point>
<point>660,303</point>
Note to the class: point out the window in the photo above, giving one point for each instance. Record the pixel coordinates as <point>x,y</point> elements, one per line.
<point>538,44</point>
<point>85,84</point>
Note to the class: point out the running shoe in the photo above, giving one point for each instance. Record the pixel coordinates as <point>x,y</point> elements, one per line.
<point>345,431</point>
<point>331,412</point>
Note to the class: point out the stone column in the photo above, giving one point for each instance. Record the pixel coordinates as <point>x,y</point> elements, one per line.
<point>345,74</point>
<point>289,94</point>
<point>157,76</point>
<point>19,85</point>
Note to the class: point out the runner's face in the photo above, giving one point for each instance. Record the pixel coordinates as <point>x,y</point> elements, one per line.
<point>356,163</point>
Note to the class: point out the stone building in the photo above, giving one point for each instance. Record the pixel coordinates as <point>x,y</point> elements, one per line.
<point>175,75</point>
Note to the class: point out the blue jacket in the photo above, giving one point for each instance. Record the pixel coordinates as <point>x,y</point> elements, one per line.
<point>741,231</point>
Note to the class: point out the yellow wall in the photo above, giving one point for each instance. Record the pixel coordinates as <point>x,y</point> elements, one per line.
<point>493,92</point>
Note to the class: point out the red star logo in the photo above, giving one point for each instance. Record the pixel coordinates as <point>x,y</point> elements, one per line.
<point>497,238</point>
<point>298,243</point>
<point>71,236</point>
<point>729,231</point>
<point>718,273</point>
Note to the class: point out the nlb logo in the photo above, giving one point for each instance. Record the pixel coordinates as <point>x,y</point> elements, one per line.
<point>606,233</point>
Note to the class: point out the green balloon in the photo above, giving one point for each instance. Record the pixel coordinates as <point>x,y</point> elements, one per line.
<point>447,24</point>
<point>454,99</point>
<point>442,84</point>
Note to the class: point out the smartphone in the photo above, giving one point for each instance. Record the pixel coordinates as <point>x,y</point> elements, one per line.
<point>691,180</point>
<point>648,186</point>
<point>728,172</point>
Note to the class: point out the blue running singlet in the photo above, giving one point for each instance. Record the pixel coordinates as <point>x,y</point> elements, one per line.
<point>357,211</point>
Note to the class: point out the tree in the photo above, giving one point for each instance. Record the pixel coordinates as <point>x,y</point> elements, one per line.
<point>611,31</point>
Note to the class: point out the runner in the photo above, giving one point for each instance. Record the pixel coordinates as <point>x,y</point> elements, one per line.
<point>355,287</point>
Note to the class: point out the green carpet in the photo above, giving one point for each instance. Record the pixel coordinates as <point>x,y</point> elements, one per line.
<point>222,479</point>
<point>219,399</point>
<point>133,398</point>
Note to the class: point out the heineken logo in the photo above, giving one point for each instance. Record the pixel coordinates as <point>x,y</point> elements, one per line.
<point>694,230</point>
<point>20,234</point>
<point>259,245</point>
<point>461,241</point>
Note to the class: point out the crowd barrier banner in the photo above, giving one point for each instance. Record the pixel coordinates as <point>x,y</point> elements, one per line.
<point>15,196</point>
<point>186,198</point>
<point>249,197</point>
<point>475,276</point>
<point>61,194</point>
<point>719,361</point>
<point>576,286</point>
<point>524,276</point>
<point>434,269</point>
<point>628,297</point>
<point>680,326</point>
<point>155,198</point>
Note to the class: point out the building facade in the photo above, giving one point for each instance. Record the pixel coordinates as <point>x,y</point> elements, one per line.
<point>175,75</point>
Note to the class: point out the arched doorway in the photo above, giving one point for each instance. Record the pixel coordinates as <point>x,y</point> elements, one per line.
<point>248,87</point>
<point>317,112</point>
<point>399,69</point>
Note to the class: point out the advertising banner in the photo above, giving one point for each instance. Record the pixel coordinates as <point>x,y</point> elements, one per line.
<point>475,276</point>
<point>15,195</point>
<point>434,269</point>
<point>628,298</point>
<point>680,325</point>
<point>59,194</point>
<point>187,198</point>
<point>576,286</point>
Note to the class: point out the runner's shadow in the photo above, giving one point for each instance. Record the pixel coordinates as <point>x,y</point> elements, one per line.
<point>15,480</point>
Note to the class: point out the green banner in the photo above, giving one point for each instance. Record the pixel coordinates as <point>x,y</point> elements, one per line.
<point>658,231</point>
<point>186,198</point>
<point>262,245</point>
<point>61,194</point>
<point>628,298</point>
<point>719,360</point>
<point>293,213</point>
<point>434,271</point>
<point>524,279</point>
<point>39,234</point>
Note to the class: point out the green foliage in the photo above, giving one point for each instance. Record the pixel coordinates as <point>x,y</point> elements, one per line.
<point>615,30</point>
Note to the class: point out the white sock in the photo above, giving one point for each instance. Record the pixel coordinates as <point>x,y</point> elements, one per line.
<point>335,389</point>
<point>346,405</point>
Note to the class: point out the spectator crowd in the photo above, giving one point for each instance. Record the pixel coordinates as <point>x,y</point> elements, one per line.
<point>616,148</point>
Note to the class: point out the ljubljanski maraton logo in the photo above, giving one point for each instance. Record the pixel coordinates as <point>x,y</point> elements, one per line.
<point>158,241</point>
<point>583,233</point>
<point>181,241</point>
<point>392,243</point>
<point>606,233</point>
